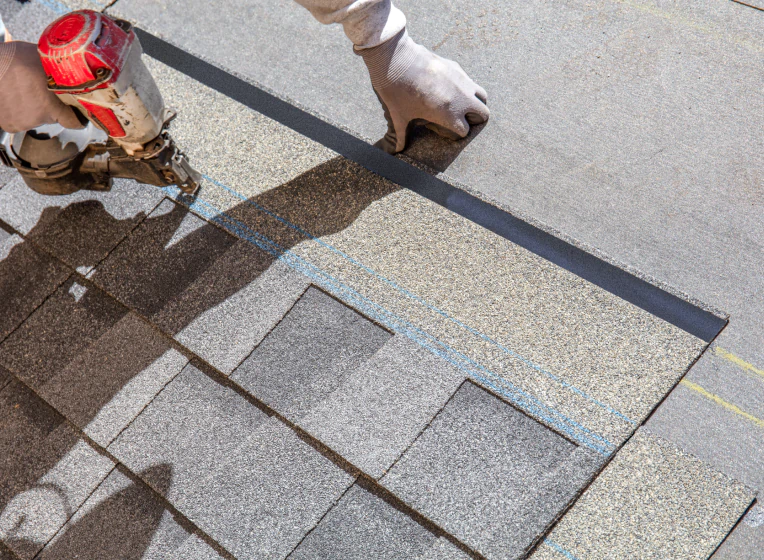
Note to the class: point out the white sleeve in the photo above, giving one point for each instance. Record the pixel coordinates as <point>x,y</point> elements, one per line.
<point>367,23</point>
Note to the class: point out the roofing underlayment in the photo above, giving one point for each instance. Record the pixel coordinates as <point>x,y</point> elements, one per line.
<point>308,360</point>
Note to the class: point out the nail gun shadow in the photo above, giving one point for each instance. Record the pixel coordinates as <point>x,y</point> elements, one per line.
<point>170,268</point>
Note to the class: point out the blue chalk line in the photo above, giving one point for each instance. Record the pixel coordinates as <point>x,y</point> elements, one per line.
<point>516,395</point>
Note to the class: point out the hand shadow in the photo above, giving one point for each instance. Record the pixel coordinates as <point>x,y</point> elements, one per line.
<point>434,151</point>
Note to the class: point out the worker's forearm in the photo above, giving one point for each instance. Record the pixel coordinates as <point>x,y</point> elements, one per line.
<point>367,23</point>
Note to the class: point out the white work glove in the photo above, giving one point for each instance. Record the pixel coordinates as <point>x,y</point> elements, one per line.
<point>416,86</point>
<point>25,101</point>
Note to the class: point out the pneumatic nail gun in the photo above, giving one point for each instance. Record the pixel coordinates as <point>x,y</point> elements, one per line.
<point>93,63</point>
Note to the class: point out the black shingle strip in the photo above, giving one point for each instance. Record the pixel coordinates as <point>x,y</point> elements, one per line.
<point>661,303</point>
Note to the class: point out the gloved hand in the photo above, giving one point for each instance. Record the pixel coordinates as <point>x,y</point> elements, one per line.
<point>415,85</point>
<point>25,101</point>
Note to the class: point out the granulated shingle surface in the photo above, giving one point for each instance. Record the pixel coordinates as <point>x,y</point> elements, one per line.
<point>121,519</point>
<point>363,526</point>
<point>658,503</point>
<point>267,495</point>
<point>489,474</point>
<point>154,264</point>
<point>381,406</point>
<point>80,229</point>
<point>192,426</point>
<point>230,308</point>
<point>46,470</point>
<point>105,387</point>
<point>68,323</point>
<point>309,354</point>
<point>27,276</point>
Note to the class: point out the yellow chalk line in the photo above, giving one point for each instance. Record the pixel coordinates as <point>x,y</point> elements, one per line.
<point>721,402</point>
<point>721,352</point>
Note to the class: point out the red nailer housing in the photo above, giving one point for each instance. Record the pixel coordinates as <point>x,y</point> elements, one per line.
<point>93,62</point>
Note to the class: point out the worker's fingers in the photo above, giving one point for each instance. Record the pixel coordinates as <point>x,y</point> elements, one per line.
<point>400,126</point>
<point>443,131</point>
<point>454,129</point>
<point>481,94</point>
<point>477,113</point>
<point>66,117</point>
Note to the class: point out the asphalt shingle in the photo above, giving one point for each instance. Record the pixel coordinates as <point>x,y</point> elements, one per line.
<point>363,526</point>
<point>309,354</point>
<point>262,500</point>
<point>444,550</point>
<point>5,377</point>
<point>658,502</point>
<point>81,228</point>
<point>230,308</point>
<point>91,359</point>
<point>70,320</point>
<point>105,387</point>
<point>6,553</point>
<point>193,425</point>
<point>490,475</point>
<point>246,480</point>
<point>27,276</point>
<point>161,258</point>
<point>46,470</point>
<point>121,519</point>
<point>381,406</point>
<point>195,549</point>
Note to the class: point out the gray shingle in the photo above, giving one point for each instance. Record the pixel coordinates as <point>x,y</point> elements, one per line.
<point>384,404</point>
<point>163,257</point>
<point>27,276</point>
<point>489,474</point>
<point>105,387</point>
<point>230,308</point>
<point>262,500</point>
<point>246,480</point>
<point>72,318</point>
<point>46,471</point>
<point>192,425</point>
<point>442,549</point>
<point>309,354</point>
<point>121,519</point>
<point>363,526</point>
<point>80,229</point>
<point>195,549</point>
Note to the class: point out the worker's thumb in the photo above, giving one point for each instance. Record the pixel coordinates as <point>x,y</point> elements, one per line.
<point>65,116</point>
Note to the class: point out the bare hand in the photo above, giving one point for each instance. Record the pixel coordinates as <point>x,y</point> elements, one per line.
<point>25,101</point>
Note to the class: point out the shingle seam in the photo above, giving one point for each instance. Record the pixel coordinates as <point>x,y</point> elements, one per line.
<point>72,513</point>
<point>424,302</point>
<point>133,476</point>
<point>520,398</point>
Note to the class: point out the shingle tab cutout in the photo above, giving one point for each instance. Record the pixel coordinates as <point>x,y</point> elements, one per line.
<point>489,474</point>
<point>309,354</point>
